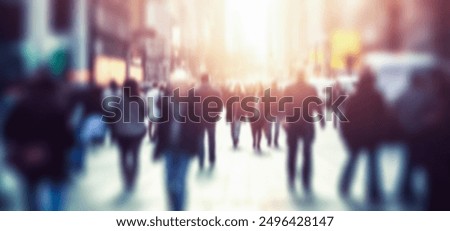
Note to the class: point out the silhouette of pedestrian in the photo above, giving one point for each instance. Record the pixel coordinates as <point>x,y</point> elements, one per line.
<point>299,128</point>
<point>204,90</point>
<point>365,111</point>
<point>258,123</point>
<point>178,142</point>
<point>234,114</point>
<point>129,132</point>
<point>38,138</point>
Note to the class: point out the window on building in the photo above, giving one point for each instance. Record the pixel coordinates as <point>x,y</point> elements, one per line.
<point>11,21</point>
<point>62,12</point>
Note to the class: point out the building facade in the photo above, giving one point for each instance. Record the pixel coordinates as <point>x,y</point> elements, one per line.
<point>97,35</point>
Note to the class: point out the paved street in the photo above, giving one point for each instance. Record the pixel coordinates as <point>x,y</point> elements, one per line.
<point>242,179</point>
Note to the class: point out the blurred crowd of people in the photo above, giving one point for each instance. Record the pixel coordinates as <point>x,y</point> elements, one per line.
<point>48,126</point>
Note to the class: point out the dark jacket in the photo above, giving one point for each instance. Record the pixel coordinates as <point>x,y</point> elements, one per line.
<point>205,90</point>
<point>299,92</point>
<point>188,132</point>
<point>38,124</point>
<point>365,111</point>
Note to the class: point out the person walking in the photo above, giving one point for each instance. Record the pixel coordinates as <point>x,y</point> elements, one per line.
<point>38,139</point>
<point>177,143</point>
<point>234,114</point>
<point>205,90</point>
<point>365,110</point>
<point>129,132</point>
<point>300,128</point>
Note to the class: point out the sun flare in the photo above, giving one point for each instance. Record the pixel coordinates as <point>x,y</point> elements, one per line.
<point>247,26</point>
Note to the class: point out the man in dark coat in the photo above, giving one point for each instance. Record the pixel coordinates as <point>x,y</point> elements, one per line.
<point>204,90</point>
<point>299,126</point>
<point>38,138</point>
<point>178,139</point>
<point>364,111</point>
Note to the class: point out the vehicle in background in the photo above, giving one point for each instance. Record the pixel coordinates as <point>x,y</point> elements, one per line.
<point>394,74</point>
<point>394,71</point>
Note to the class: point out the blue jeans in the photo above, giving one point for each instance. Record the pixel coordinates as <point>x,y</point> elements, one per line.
<point>373,184</point>
<point>78,157</point>
<point>176,173</point>
<point>78,152</point>
<point>56,195</point>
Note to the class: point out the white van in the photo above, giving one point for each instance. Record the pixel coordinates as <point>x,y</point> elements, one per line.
<point>394,71</point>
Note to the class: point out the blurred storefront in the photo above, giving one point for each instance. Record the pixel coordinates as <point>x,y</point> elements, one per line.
<point>33,31</point>
<point>394,26</point>
<point>155,35</point>
<point>96,37</point>
<point>12,16</point>
<point>109,38</point>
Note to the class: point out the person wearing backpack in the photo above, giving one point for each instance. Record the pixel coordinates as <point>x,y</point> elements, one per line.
<point>129,132</point>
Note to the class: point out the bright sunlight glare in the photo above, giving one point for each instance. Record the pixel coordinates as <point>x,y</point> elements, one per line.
<point>247,26</point>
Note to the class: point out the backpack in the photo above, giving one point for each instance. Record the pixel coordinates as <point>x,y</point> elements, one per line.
<point>92,128</point>
<point>132,127</point>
